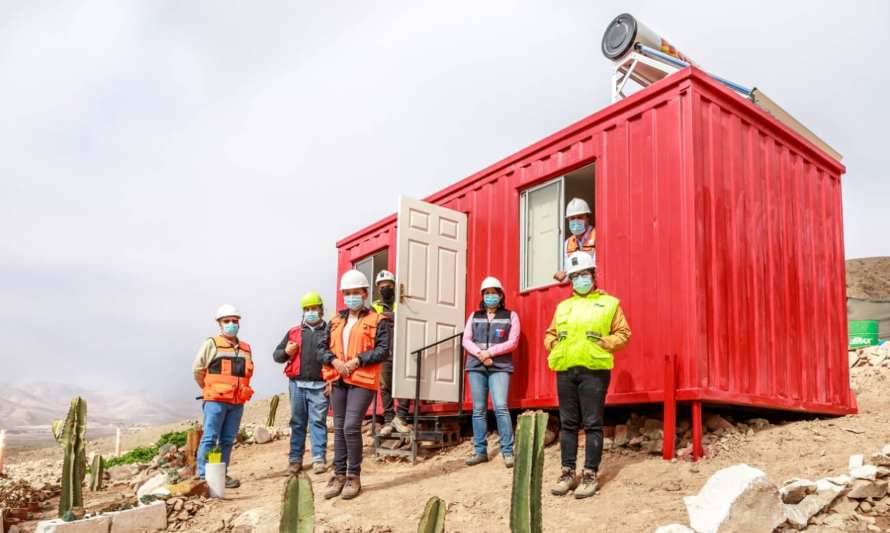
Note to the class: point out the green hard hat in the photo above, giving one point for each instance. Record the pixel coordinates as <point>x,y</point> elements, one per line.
<point>309,299</point>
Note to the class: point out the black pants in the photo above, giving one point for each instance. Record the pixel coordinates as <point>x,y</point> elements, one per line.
<point>390,406</point>
<point>350,405</point>
<point>582,400</point>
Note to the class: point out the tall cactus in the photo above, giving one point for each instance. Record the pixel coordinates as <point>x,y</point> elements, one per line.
<point>97,473</point>
<point>273,408</point>
<point>525,509</point>
<point>71,434</point>
<point>297,506</point>
<point>433,519</point>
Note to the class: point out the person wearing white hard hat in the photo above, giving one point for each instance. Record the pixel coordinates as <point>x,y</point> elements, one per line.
<point>394,412</point>
<point>490,338</point>
<point>223,368</point>
<point>583,234</point>
<point>360,341</point>
<point>587,328</point>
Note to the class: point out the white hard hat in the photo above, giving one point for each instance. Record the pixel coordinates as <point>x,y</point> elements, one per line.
<point>227,310</point>
<point>353,279</point>
<point>577,207</point>
<point>579,261</point>
<point>491,283</point>
<point>385,275</point>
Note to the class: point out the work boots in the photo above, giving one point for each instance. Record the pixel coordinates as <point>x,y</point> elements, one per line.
<point>294,468</point>
<point>567,481</point>
<point>588,485</point>
<point>386,430</point>
<point>476,459</point>
<point>400,425</point>
<point>352,488</point>
<point>335,486</point>
<point>318,467</point>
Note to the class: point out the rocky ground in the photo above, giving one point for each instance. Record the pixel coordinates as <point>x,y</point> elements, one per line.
<point>639,491</point>
<point>868,278</point>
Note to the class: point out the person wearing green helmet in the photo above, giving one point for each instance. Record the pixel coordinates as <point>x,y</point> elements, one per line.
<point>299,351</point>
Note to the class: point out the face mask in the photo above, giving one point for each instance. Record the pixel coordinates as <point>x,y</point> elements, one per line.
<point>311,316</point>
<point>353,301</point>
<point>491,300</point>
<point>230,329</point>
<point>582,284</point>
<point>577,227</point>
<point>388,294</point>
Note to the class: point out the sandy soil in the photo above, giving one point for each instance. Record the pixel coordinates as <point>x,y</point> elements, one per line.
<point>869,278</point>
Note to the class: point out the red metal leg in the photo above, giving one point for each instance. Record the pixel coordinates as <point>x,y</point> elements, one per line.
<point>670,408</point>
<point>698,450</point>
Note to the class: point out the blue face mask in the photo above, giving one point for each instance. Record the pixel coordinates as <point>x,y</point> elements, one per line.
<point>311,316</point>
<point>230,329</point>
<point>582,284</point>
<point>577,226</point>
<point>354,301</point>
<point>491,300</point>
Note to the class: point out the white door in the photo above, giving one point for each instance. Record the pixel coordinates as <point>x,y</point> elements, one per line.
<point>431,271</point>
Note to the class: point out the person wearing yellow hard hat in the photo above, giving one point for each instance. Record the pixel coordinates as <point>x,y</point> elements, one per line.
<point>394,412</point>
<point>583,234</point>
<point>223,368</point>
<point>586,329</point>
<point>361,340</point>
<point>300,351</point>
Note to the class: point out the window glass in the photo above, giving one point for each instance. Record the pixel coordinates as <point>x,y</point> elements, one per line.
<point>542,236</point>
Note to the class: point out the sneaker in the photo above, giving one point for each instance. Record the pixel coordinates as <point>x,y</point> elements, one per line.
<point>508,461</point>
<point>386,430</point>
<point>294,468</point>
<point>352,488</point>
<point>588,485</point>
<point>232,483</point>
<point>319,467</point>
<point>567,481</point>
<point>476,460</point>
<point>335,486</point>
<point>400,425</point>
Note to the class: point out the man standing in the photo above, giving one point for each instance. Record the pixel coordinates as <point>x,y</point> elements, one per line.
<point>394,419</point>
<point>301,349</point>
<point>587,327</point>
<point>583,234</point>
<point>223,368</point>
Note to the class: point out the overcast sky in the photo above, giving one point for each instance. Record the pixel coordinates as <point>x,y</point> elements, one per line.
<point>159,158</point>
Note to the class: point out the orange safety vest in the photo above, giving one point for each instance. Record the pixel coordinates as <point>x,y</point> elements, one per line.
<point>361,339</point>
<point>587,246</point>
<point>228,374</point>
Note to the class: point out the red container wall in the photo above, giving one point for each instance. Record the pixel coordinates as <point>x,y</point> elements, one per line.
<point>770,261</point>
<point>683,250</point>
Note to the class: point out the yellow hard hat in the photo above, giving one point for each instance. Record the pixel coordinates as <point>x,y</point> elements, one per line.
<point>309,299</point>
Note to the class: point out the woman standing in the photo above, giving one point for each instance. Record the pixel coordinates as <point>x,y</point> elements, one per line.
<point>490,337</point>
<point>360,341</point>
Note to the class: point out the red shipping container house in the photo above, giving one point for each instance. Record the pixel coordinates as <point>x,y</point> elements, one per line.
<point>719,229</point>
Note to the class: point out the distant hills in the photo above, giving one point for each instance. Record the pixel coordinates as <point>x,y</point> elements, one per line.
<point>868,278</point>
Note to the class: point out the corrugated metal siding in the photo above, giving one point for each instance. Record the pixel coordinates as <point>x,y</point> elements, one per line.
<point>699,235</point>
<point>770,262</point>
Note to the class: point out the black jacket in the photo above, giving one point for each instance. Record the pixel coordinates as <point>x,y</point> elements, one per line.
<point>315,341</point>
<point>382,341</point>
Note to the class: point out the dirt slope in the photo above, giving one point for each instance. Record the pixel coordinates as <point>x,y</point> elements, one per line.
<point>868,278</point>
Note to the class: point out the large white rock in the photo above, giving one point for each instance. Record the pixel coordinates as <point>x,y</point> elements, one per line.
<point>674,528</point>
<point>155,486</point>
<point>262,435</point>
<point>856,461</point>
<point>152,517</point>
<point>799,515</point>
<point>869,472</point>
<point>98,524</point>
<point>736,499</point>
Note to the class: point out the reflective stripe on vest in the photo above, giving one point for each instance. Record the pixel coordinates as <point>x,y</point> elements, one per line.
<point>362,338</point>
<point>489,332</point>
<point>228,374</point>
<point>587,246</point>
<point>580,320</point>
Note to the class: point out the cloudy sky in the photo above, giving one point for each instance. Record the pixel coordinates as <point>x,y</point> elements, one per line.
<point>160,158</point>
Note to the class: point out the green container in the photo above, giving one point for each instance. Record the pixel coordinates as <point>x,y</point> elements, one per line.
<point>863,333</point>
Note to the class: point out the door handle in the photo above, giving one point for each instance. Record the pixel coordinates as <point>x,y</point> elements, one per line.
<point>403,293</point>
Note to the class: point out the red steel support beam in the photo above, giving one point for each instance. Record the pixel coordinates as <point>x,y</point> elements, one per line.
<point>698,450</point>
<point>670,407</point>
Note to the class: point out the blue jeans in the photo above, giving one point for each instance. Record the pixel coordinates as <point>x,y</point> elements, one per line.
<point>309,410</point>
<point>221,423</point>
<point>499,385</point>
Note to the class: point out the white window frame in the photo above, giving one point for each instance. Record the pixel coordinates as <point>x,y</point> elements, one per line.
<point>523,236</point>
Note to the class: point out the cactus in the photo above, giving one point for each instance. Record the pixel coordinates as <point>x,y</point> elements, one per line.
<point>433,519</point>
<point>273,408</point>
<point>525,508</point>
<point>97,473</point>
<point>297,506</point>
<point>71,434</point>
